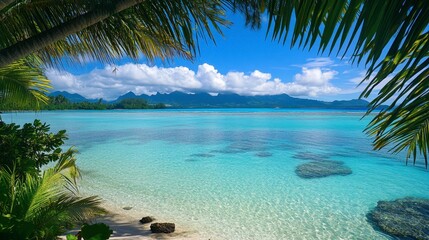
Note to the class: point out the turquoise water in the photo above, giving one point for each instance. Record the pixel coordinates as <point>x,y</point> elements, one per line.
<point>230,174</point>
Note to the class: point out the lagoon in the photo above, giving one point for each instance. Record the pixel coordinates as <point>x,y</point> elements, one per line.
<point>230,173</point>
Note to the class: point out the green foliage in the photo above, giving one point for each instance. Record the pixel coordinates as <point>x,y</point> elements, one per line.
<point>25,150</point>
<point>23,85</point>
<point>61,103</point>
<point>133,103</point>
<point>159,106</point>
<point>42,207</point>
<point>97,231</point>
<point>37,204</point>
<point>104,30</point>
<point>71,237</point>
<point>58,100</point>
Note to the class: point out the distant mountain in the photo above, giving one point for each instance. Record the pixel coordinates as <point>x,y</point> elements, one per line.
<point>205,100</point>
<point>231,100</point>
<point>73,97</point>
<point>126,96</point>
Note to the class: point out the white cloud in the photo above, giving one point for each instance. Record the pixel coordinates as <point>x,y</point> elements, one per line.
<point>319,62</point>
<point>110,82</point>
<point>357,86</point>
<point>324,63</point>
<point>210,78</point>
<point>314,77</point>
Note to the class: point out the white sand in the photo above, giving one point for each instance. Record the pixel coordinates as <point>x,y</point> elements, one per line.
<point>126,225</point>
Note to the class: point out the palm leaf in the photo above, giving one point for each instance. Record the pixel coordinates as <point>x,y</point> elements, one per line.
<point>23,83</point>
<point>391,38</point>
<point>163,29</point>
<point>46,204</point>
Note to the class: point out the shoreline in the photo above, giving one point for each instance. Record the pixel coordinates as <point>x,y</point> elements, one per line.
<point>125,225</point>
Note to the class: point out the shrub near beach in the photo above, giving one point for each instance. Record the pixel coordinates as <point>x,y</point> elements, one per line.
<point>36,203</point>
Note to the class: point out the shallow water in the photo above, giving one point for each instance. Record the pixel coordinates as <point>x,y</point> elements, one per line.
<point>230,174</point>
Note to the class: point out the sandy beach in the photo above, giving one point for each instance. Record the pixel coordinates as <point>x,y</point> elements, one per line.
<point>125,225</point>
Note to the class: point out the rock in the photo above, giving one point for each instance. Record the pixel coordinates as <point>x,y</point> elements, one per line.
<point>204,155</point>
<point>127,208</point>
<point>162,227</point>
<point>319,169</point>
<point>263,154</point>
<point>191,160</point>
<point>406,218</point>
<point>145,220</point>
<point>227,151</point>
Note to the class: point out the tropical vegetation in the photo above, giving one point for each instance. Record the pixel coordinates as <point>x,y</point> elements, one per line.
<point>39,200</point>
<point>22,83</point>
<point>26,149</point>
<point>96,231</point>
<point>61,103</point>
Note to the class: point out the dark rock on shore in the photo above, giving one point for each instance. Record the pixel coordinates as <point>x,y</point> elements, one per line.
<point>162,227</point>
<point>405,218</point>
<point>319,169</point>
<point>145,220</point>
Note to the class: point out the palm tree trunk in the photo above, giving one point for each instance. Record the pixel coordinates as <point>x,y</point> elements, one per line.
<point>5,3</point>
<point>26,47</point>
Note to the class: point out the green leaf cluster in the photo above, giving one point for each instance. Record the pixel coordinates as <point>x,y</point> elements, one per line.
<point>36,201</point>
<point>96,231</point>
<point>23,85</point>
<point>25,150</point>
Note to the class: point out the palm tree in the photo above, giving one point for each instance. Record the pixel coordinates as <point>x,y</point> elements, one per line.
<point>106,29</point>
<point>34,207</point>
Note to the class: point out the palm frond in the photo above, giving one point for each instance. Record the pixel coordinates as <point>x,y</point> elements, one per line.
<point>47,205</point>
<point>163,29</point>
<point>390,37</point>
<point>23,83</point>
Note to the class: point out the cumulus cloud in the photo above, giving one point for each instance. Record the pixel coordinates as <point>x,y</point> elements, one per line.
<point>315,81</point>
<point>110,82</point>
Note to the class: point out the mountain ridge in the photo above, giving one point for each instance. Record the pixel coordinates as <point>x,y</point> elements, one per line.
<point>226,100</point>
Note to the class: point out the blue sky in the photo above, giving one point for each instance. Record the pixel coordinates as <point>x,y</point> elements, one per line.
<point>243,61</point>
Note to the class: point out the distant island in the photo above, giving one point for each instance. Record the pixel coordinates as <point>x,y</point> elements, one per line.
<point>67,101</point>
<point>205,100</point>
